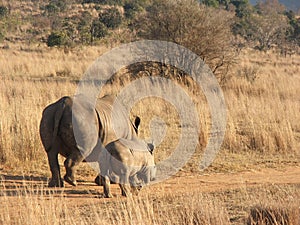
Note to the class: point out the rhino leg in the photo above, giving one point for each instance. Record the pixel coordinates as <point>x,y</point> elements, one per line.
<point>98,181</point>
<point>135,184</point>
<point>70,164</point>
<point>125,190</point>
<point>106,186</point>
<point>124,184</point>
<point>56,180</point>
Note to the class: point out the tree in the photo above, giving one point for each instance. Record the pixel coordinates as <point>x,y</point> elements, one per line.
<point>211,3</point>
<point>3,11</point>
<point>84,27</point>
<point>269,7</point>
<point>2,35</point>
<point>56,6</point>
<point>98,30</point>
<point>294,32</point>
<point>178,22</point>
<point>56,38</point>
<point>111,18</point>
<point>104,2</point>
<point>70,29</point>
<point>242,8</point>
<point>265,27</point>
<point>131,8</point>
<point>3,14</point>
<point>292,40</point>
<point>267,30</point>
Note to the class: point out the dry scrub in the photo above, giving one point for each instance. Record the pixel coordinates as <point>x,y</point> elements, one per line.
<point>262,98</point>
<point>264,113</point>
<point>25,203</point>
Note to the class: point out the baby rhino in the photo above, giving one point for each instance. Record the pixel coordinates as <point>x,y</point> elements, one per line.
<point>130,163</point>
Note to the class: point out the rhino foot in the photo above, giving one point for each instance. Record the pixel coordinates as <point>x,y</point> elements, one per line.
<point>55,183</point>
<point>98,181</point>
<point>108,195</point>
<point>70,180</point>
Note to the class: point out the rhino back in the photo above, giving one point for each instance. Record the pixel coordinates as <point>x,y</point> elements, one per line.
<point>138,157</point>
<point>118,151</point>
<point>114,121</point>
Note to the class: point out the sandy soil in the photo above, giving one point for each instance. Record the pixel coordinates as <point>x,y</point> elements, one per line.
<point>179,184</point>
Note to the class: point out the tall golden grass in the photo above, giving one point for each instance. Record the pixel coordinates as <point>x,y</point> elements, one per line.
<point>34,206</point>
<point>261,98</point>
<point>264,112</point>
<point>263,119</point>
<point>29,204</point>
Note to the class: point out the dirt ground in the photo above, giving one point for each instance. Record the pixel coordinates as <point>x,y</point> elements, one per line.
<point>179,184</point>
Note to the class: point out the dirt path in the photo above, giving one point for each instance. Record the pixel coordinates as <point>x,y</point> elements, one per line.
<point>224,181</point>
<point>88,191</point>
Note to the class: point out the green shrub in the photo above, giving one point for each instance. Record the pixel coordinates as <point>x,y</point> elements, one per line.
<point>131,8</point>
<point>56,6</point>
<point>2,36</point>
<point>111,18</point>
<point>104,2</point>
<point>3,11</point>
<point>98,30</point>
<point>56,38</point>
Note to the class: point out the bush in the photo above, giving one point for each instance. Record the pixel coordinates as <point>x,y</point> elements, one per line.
<point>84,27</point>
<point>98,30</point>
<point>111,18</point>
<point>104,2</point>
<point>294,32</point>
<point>131,8</point>
<point>2,36</point>
<point>242,8</point>
<point>266,28</point>
<point>56,6</point>
<point>3,11</point>
<point>56,38</point>
<point>211,3</point>
<point>178,22</point>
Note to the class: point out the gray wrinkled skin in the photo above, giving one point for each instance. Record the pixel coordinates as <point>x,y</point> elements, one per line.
<point>130,163</point>
<point>93,129</point>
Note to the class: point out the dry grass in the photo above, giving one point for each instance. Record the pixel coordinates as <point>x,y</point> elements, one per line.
<point>263,112</point>
<point>254,206</point>
<point>263,117</point>
<point>39,62</point>
<point>274,215</point>
<point>33,204</point>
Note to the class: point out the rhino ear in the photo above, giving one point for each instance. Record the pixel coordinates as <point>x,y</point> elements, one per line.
<point>137,122</point>
<point>150,147</point>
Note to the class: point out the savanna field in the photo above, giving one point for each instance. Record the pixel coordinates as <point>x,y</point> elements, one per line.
<point>254,179</point>
<point>262,137</point>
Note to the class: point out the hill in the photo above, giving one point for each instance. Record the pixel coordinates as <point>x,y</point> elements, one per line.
<point>289,4</point>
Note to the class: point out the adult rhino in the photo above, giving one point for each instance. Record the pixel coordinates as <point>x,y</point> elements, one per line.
<point>130,163</point>
<point>78,130</point>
